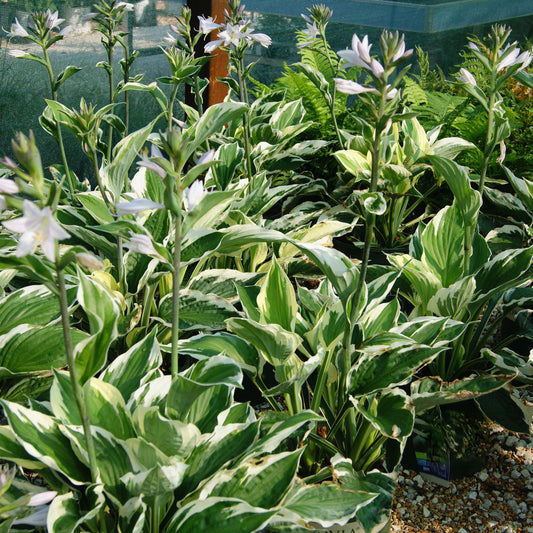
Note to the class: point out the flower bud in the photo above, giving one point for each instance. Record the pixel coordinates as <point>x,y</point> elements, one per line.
<point>29,157</point>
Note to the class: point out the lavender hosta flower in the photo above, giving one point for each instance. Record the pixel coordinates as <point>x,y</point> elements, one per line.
<point>18,53</point>
<point>38,228</point>
<point>194,194</point>
<point>377,68</point>
<point>142,244</point>
<point>351,87</point>
<point>52,19</point>
<point>391,93</point>
<point>42,498</point>
<point>207,25</point>
<point>18,30</point>
<point>154,167</point>
<point>311,34</point>
<point>237,35</point>
<point>207,157</point>
<point>359,55</point>
<point>139,205</point>
<point>466,76</point>
<point>402,53</point>
<point>8,186</point>
<point>514,58</point>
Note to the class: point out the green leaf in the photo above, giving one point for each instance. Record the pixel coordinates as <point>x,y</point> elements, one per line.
<point>219,514</point>
<point>40,435</point>
<point>225,444</point>
<point>502,272</point>
<point>453,301</point>
<point>208,211</point>
<point>212,121</point>
<point>374,203</point>
<point>277,299</point>
<point>354,162</point>
<point>95,205</point>
<point>442,242</point>
<point>275,343</point>
<point>124,154</point>
<point>11,450</point>
<point>468,200</point>
<point>500,407</point>
<point>223,282</point>
<point>374,515</point>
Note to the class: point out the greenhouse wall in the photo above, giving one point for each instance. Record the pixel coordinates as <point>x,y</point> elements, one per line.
<point>440,27</point>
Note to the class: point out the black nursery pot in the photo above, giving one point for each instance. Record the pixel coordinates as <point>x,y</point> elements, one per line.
<point>445,448</point>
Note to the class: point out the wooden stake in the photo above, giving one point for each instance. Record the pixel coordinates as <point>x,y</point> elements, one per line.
<point>217,67</point>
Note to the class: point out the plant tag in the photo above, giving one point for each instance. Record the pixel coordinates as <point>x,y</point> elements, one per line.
<point>437,471</point>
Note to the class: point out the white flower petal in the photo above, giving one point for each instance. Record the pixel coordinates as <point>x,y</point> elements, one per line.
<point>42,498</point>
<point>137,206</point>
<point>194,194</point>
<point>350,87</point>
<point>8,186</point>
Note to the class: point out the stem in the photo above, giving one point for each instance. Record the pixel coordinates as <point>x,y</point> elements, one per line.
<point>487,150</point>
<point>171,105</point>
<point>76,387</point>
<point>331,103</point>
<point>175,296</point>
<point>94,157</point>
<point>111,99</point>
<point>245,119</point>
<point>59,136</point>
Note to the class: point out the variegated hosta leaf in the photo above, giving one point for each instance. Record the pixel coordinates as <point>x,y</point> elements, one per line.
<point>34,304</point>
<point>222,515</point>
<point>326,504</point>
<point>389,367</point>
<point>222,282</point>
<point>432,330</point>
<point>274,342</point>
<point>376,513</point>
<point>277,299</point>
<point>510,362</point>
<point>135,367</point>
<point>248,480</point>
<point>43,348</point>
<point>64,512</point>
<point>198,310</point>
<point>442,242</point>
<point>42,438</point>
<point>103,312</point>
<point>224,445</point>
<point>453,301</point>
<point>204,346</point>
<point>172,437</point>
<point>105,405</point>
<point>392,413</point>
<point>430,392</point>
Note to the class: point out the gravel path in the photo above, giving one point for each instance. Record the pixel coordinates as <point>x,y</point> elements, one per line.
<point>499,498</point>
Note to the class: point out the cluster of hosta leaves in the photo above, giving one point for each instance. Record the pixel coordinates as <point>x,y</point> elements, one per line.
<point>202,262</point>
